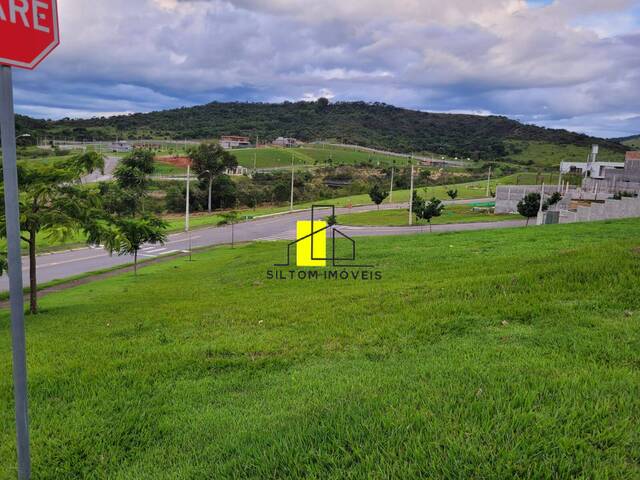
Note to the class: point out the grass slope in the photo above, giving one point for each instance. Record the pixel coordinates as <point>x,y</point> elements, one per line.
<point>544,154</point>
<point>400,218</point>
<point>633,142</point>
<point>273,157</point>
<point>479,355</point>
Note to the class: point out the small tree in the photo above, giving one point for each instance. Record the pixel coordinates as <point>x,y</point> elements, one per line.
<point>432,208</point>
<point>552,200</point>
<point>209,161</point>
<point>453,194</point>
<point>529,206</point>
<point>417,204</point>
<point>378,194</point>
<point>132,181</point>
<point>230,218</point>
<point>52,201</point>
<point>127,235</point>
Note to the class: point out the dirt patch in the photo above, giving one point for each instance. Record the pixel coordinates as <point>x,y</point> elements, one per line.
<point>181,162</point>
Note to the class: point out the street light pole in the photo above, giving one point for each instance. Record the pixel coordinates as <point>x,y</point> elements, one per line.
<point>489,182</point>
<point>16,299</point>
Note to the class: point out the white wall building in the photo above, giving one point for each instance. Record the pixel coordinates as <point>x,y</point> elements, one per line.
<point>592,169</point>
<point>286,142</point>
<point>233,141</point>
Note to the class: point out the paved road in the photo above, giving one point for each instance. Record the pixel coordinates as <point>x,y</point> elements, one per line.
<point>66,264</point>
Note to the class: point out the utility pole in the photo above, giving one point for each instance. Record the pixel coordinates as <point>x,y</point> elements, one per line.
<point>489,183</point>
<point>292,178</point>
<point>411,199</point>
<point>188,208</point>
<point>391,190</point>
<point>255,154</point>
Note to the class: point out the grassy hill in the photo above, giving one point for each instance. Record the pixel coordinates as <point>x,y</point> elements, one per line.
<point>632,142</point>
<point>544,154</point>
<point>507,354</point>
<point>373,125</point>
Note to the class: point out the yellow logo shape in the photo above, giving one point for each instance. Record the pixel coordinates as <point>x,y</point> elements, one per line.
<point>304,254</point>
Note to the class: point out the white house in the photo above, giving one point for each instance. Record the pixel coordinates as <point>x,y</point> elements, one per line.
<point>234,141</point>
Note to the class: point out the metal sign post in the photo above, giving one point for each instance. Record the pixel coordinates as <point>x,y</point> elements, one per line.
<point>12,213</point>
<point>29,33</point>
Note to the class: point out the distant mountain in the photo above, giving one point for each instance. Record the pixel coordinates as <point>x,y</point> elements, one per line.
<point>632,141</point>
<point>372,124</point>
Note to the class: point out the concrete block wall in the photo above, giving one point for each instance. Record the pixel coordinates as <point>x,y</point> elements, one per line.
<point>508,196</point>
<point>610,209</point>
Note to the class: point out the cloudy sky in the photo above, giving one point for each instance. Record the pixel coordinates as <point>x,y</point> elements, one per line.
<point>566,63</point>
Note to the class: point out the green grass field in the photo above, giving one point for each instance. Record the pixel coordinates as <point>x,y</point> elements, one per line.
<point>162,168</point>
<point>400,218</point>
<point>551,155</point>
<point>504,354</point>
<point>272,157</point>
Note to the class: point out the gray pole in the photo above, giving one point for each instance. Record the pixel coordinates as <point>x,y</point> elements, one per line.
<point>292,178</point>
<point>391,190</point>
<point>11,201</point>
<point>411,199</point>
<point>186,213</point>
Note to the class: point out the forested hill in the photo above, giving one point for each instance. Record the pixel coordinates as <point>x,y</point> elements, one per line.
<point>374,125</point>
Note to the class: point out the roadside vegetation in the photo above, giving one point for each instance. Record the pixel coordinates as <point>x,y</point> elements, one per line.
<point>508,354</point>
<point>400,217</point>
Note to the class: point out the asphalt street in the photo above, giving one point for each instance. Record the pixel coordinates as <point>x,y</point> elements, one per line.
<point>60,265</point>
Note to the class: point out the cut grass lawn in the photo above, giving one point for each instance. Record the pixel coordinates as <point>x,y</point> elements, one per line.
<point>400,218</point>
<point>270,157</point>
<point>500,354</point>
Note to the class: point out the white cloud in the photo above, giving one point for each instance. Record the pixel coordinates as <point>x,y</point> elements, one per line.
<point>572,58</point>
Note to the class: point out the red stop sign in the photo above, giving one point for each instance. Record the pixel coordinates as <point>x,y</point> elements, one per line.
<point>28,31</point>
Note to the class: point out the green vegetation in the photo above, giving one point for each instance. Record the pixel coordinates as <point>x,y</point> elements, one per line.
<point>53,203</point>
<point>162,168</point>
<point>373,125</point>
<point>310,155</point>
<point>400,218</point>
<point>545,154</point>
<point>504,354</point>
<point>270,157</point>
<point>632,142</point>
